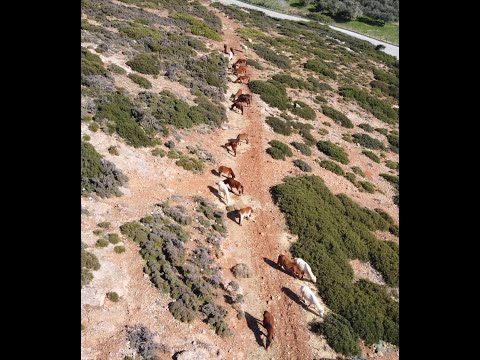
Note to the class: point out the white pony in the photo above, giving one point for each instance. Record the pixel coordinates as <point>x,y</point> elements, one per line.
<point>244,47</point>
<point>305,268</point>
<point>224,189</point>
<point>309,296</point>
<point>230,55</point>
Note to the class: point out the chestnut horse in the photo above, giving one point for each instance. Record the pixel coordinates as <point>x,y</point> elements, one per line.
<point>241,137</point>
<point>268,323</point>
<point>239,62</point>
<point>234,184</point>
<point>245,213</point>
<point>233,144</point>
<point>243,78</point>
<point>289,266</point>
<point>226,170</point>
<point>241,70</point>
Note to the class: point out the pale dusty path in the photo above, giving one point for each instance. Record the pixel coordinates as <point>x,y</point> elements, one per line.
<point>389,48</point>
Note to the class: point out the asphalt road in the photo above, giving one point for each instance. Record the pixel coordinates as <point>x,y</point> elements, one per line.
<point>389,49</point>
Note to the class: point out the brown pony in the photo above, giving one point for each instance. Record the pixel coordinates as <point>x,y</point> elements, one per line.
<point>233,144</point>
<point>245,213</point>
<point>245,98</point>
<point>236,95</point>
<point>241,79</point>
<point>239,62</point>
<point>289,266</point>
<point>234,184</point>
<point>268,323</point>
<point>241,137</point>
<point>238,105</point>
<point>226,170</point>
<point>225,51</point>
<point>241,70</point>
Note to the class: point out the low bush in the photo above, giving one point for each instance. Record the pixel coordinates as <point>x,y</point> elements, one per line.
<point>91,64</point>
<point>104,225</point>
<point>101,243</point>
<point>117,69</point>
<point>113,150</point>
<point>385,77</point>
<point>303,110</point>
<point>302,165</point>
<point>320,99</point>
<point>197,27</point>
<point>119,249</point>
<point>394,142</point>
<point>366,127</point>
<point>271,56</point>
<point>141,340</point>
<point>368,142</point>
<point>159,152</point>
<point>382,131</point>
<point>292,82</point>
<point>371,156</point>
<point>255,64</point>
<point>358,171</point>
<point>337,116</point>
<point>332,166</point>
<point>339,334</point>
<point>334,151</point>
<point>99,175</point>
<point>392,179</point>
<point>190,164</point>
<point>145,63</point>
<point>93,127</point>
<point>391,164</point>
<point>304,149</point>
<point>113,238</point>
<point>140,80</point>
<point>279,126</point>
<point>368,187</point>
<point>279,150</point>
<point>241,271</point>
<point>381,109</point>
<point>351,177</point>
<point>323,131</point>
<point>320,68</point>
<point>271,92</point>
<point>113,296</point>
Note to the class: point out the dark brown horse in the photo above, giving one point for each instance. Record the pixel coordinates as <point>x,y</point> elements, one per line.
<point>238,105</point>
<point>233,144</point>
<point>245,98</point>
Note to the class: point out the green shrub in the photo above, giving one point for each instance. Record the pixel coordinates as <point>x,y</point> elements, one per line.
<point>113,150</point>
<point>271,92</point>
<point>320,68</point>
<point>371,156</point>
<point>268,54</point>
<point>158,152</point>
<point>91,64</point>
<point>118,109</point>
<point>385,77</point>
<point>86,138</point>
<point>99,176</point>
<point>279,126</point>
<point>337,116</point>
<point>101,243</point>
<point>390,90</point>
<point>368,142</point>
<point>351,177</point>
<point>255,64</point>
<point>190,164</point>
<point>139,31</point>
<point>197,27</point>
<point>339,334</point>
<point>381,109</point>
<point>113,296</point>
<point>391,164</point>
<point>366,127</point>
<point>104,225</point>
<point>302,165</point>
<point>326,123</point>
<point>334,151</point>
<point>145,63</point>
<point>281,146</point>
<point>303,110</point>
<point>117,69</point>
<point>358,171</point>
<point>113,238</point>
<point>140,80</point>
<point>304,149</point>
<point>394,141</point>
<point>368,187</point>
<point>276,153</point>
<point>392,179</point>
<point>382,131</point>
<point>320,99</point>
<point>86,277</point>
<point>332,166</point>
<point>323,131</point>
<point>292,82</point>
<point>119,249</point>
<point>93,127</point>
<point>89,261</point>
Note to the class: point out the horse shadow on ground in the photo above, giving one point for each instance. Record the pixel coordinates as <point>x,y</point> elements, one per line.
<point>233,215</point>
<point>253,324</point>
<point>295,298</point>
<point>215,172</point>
<point>215,192</point>
<point>271,263</point>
